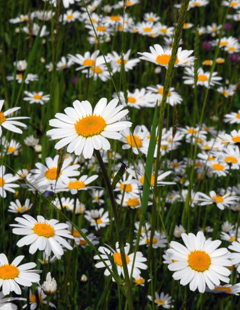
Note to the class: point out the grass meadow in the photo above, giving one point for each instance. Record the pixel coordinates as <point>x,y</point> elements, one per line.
<point>119,154</point>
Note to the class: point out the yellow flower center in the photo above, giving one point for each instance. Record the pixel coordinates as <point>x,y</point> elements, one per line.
<point>223,43</point>
<point>151,19</point>
<point>207,62</point>
<point>225,93</point>
<point>231,159</point>
<point>8,272</point>
<point>199,260</point>
<point>101,28</point>
<point>75,233</point>
<point>22,19</point>
<point>51,174</point>
<point>160,302</point>
<point>131,100</point>
<point>163,30</point>
<point>202,78</point>
<point>69,17</point>
<point>127,187</point>
<point>115,18</point>
<point>233,3</point>
<point>89,62</point>
<point>237,116</point>
<point>147,29</point>
<point>129,3</point>
<point>232,49</point>
<point>120,28</point>
<point>154,240</point>
<point>19,209</point>
<point>20,76</point>
<point>98,221</point>
<point>119,61</point>
<point>33,298</point>
<point>217,167</point>
<point>196,3</point>
<point>76,184</point>
<point>37,96</point>
<point>192,131</point>
<point>96,198</point>
<point>11,149</point>
<point>133,202</point>
<point>185,26</point>
<point>175,164</point>
<point>164,59</point>
<point>152,179</point>
<point>198,165</point>
<point>224,289</point>
<point>160,91</point>
<point>236,139</point>
<point>217,199</point>
<point>139,281</point>
<point>220,61</point>
<point>96,70</point>
<point>164,147</point>
<point>134,141</point>
<point>43,230</point>
<point>118,259</point>
<point>2,182</point>
<point>232,239</point>
<point>90,125</point>
<point>82,242</point>
<point>2,117</point>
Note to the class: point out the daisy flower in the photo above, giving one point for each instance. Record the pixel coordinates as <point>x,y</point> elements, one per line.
<point>136,99</point>
<point>17,207</point>
<point>159,240</point>
<point>160,57</point>
<point>41,234</point>
<point>49,286</point>
<point>231,156</point>
<point>133,266</point>
<point>64,203</point>
<point>221,202</point>
<point>35,29</point>
<point>173,97</point>
<point>47,174</point>
<point>21,65</point>
<point>164,30</point>
<point>162,300</point>
<point>232,118</point>
<point>203,78</point>
<point>147,29</point>
<point>233,138</point>
<point>36,97</point>
<point>97,219</point>
<point>37,298</point>
<point>134,140</point>
<point>151,17</point>
<point>74,185</point>
<point>235,4</point>
<point>85,61</point>
<point>79,241</point>
<point>198,3</point>
<point>19,78</point>
<point>178,231</point>
<point>116,61</point>
<point>96,196</point>
<point>10,123</point>
<point>226,289</point>
<point>11,147</point>
<point>218,167</point>
<point>31,141</point>
<point>83,129</point>
<point>131,201</point>
<point>70,16</point>
<point>6,182</point>
<point>199,263</point>
<point>235,257</point>
<point>11,275</point>
<point>64,63</point>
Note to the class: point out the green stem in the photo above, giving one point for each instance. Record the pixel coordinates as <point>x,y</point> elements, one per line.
<point>116,218</point>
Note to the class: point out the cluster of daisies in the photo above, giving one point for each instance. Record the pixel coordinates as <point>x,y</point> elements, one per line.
<point>72,180</point>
